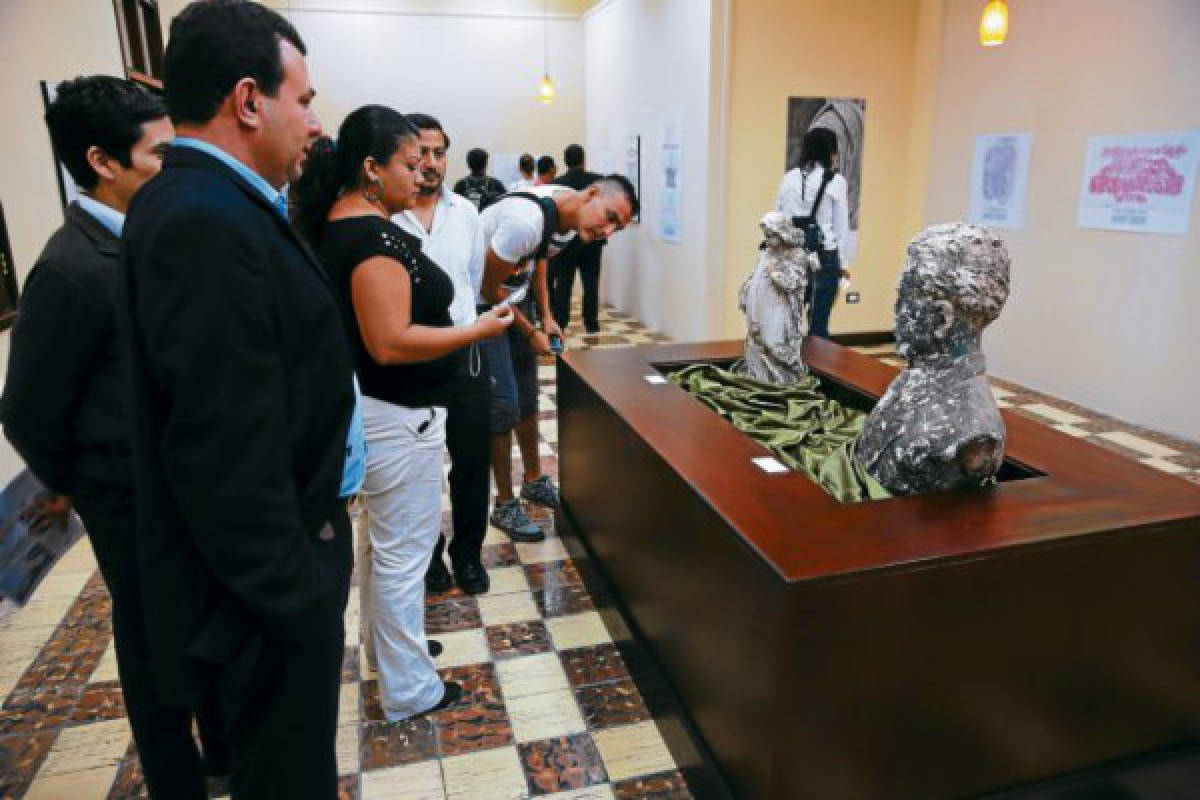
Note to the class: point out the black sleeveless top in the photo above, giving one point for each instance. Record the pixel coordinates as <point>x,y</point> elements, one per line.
<point>344,245</point>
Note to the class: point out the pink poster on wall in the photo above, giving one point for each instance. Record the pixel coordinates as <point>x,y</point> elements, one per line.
<point>1141,182</point>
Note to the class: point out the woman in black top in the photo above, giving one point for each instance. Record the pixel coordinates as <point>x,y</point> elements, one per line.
<point>395,303</point>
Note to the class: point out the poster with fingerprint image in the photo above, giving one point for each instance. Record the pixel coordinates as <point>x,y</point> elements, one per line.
<point>999,179</point>
<point>1142,182</point>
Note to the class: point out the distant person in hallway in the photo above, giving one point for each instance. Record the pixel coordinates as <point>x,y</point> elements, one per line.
<point>479,187</point>
<point>446,225</point>
<point>241,388</point>
<point>526,165</point>
<point>411,361</point>
<point>546,171</point>
<point>817,174</point>
<point>580,256</point>
<point>66,399</point>
<point>518,234</point>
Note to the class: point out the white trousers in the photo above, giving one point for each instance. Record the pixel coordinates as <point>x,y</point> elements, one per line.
<point>403,496</point>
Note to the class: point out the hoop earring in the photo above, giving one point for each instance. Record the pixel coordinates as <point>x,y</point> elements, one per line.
<point>376,197</point>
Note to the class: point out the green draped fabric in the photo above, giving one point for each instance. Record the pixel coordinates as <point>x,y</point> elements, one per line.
<point>803,428</point>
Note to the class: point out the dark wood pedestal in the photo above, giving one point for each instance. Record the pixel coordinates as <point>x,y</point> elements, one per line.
<point>934,646</point>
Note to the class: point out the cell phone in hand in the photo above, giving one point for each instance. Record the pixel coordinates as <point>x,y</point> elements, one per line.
<point>556,344</point>
<point>515,296</point>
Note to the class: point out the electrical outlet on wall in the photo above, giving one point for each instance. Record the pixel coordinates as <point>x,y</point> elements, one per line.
<point>852,297</point>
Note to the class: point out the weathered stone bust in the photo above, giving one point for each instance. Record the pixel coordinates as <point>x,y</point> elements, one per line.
<point>938,426</point>
<point>772,299</point>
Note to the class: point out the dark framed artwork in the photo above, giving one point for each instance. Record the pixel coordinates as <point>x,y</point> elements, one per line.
<point>633,166</point>
<point>68,192</point>
<point>846,117</point>
<point>8,277</point>
<point>140,32</point>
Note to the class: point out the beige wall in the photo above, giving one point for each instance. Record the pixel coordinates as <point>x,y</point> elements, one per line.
<point>649,63</point>
<point>851,48</point>
<point>1104,318</point>
<point>474,64</point>
<point>40,40</point>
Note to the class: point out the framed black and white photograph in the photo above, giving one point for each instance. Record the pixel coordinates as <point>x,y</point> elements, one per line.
<point>845,116</point>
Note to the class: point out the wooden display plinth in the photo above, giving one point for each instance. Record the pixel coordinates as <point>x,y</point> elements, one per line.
<point>934,646</point>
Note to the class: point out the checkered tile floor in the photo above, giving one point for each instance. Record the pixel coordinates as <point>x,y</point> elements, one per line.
<point>550,709</point>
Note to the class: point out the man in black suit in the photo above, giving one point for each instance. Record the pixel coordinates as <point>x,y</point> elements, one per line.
<point>65,406</point>
<point>578,255</point>
<point>242,400</point>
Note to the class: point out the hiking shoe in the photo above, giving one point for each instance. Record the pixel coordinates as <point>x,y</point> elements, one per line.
<point>510,518</point>
<point>541,491</point>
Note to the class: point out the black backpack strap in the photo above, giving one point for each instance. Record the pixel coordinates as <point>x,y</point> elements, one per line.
<point>811,216</point>
<point>821,192</point>
<point>550,220</point>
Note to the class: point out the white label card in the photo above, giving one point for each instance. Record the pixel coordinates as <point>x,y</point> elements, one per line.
<point>656,379</point>
<point>768,464</point>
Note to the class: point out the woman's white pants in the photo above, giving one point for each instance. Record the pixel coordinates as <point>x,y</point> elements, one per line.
<point>403,496</point>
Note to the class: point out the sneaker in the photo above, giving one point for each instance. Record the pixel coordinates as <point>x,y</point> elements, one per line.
<point>541,491</point>
<point>510,518</point>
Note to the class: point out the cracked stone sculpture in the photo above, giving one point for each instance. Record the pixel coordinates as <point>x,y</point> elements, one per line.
<point>772,298</point>
<point>938,426</point>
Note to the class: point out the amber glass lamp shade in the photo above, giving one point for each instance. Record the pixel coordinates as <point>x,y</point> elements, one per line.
<point>993,25</point>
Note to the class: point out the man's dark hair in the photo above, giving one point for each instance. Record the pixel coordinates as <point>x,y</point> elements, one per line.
<point>573,156</point>
<point>216,43</point>
<point>545,164</point>
<point>525,163</point>
<point>103,111</point>
<point>619,183</point>
<point>424,122</point>
<point>477,159</point>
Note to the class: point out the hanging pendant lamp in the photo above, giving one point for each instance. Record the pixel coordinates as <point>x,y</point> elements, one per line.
<point>546,89</point>
<point>993,25</point>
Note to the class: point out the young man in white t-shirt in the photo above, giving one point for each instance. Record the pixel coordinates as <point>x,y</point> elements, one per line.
<point>525,165</point>
<point>511,257</point>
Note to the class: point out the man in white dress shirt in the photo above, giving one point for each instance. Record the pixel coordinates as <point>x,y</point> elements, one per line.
<point>447,224</point>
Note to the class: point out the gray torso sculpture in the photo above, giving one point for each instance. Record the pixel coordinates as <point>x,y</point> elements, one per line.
<point>938,426</point>
<point>772,299</point>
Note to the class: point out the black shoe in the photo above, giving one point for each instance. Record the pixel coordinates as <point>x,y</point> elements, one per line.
<point>453,693</point>
<point>472,578</point>
<point>216,785</point>
<point>437,578</point>
<point>434,647</point>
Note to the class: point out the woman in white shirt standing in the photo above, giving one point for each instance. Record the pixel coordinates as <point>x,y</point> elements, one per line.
<point>797,193</point>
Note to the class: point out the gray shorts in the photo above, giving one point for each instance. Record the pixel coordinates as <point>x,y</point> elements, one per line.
<point>513,367</point>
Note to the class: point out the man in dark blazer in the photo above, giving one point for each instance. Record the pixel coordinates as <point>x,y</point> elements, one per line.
<point>580,256</point>
<point>65,405</point>
<point>242,399</point>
